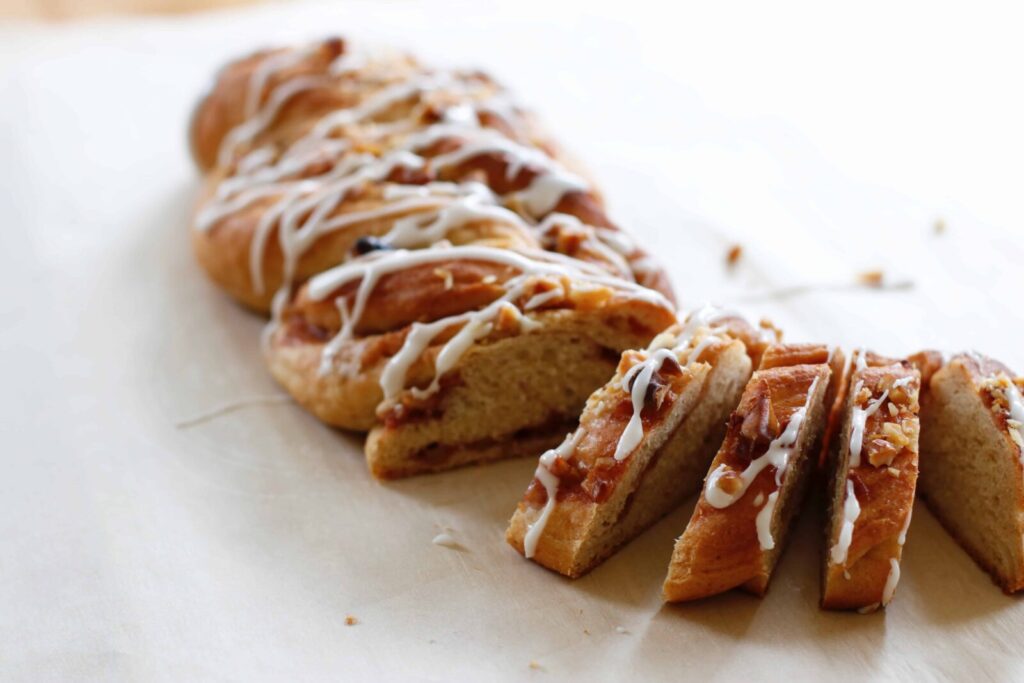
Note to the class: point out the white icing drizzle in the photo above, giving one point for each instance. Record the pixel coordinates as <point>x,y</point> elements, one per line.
<point>891,581</point>
<point>902,538</point>
<point>851,511</point>
<point>474,324</point>
<point>302,206</point>
<point>858,420</point>
<point>550,483</point>
<point>764,522</point>
<point>777,455</point>
<point>903,381</point>
<point>663,348</point>
<point>1016,414</point>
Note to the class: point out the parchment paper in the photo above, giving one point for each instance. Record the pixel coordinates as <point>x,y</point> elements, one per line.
<point>132,548</point>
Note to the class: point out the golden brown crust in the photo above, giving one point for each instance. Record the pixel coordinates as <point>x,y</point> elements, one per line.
<point>858,564</point>
<point>238,233</point>
<point>722,547</point>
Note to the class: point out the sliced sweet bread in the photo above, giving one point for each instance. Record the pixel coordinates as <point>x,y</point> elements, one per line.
<point>972,462</point>
<point>873,475</point>
<point>457,355</point>
<point>758,478</point>
<point>643,443</point>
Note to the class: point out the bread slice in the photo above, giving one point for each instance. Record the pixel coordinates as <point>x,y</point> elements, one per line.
<point>643,443</point>
<point>457,355</point>
<point>758,478</point>
<point>873,475</point>
<point>972,463</point>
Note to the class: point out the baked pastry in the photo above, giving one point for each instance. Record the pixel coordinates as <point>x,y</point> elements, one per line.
<point>643,444</point>
<point>758,477</point>
<point>459,354</point>
<point>873,475</point>
<point>314,154</point>
<point>972,462</point>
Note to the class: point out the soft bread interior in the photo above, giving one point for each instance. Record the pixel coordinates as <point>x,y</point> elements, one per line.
<point>970,476</point>
<point>513,396</point>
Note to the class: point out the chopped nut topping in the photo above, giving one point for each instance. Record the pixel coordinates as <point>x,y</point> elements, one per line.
<point>863,396</point>
<point>508,319</point>
<point>881,451</point>
<point>446,275</point>
<point>760,423</point>
<point>893,410</point>
<point>893,471</point>
<point>490,279</point>
<point>729,481</point>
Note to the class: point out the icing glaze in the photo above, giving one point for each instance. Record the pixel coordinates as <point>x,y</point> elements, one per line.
<point>550,483</point>
<point>764,522</point>
<point>858,420</point>
<point>777,456</point>
<point>1016,414</point>
<point>303,209</point>
<point>475,325</point>
<point>637,379</point>
<point>851,511</point>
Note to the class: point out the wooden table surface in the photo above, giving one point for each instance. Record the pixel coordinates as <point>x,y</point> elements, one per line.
<point>136,548</point>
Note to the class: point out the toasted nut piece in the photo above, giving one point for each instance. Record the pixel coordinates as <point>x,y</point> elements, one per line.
<point>729,482</point>
<point>881,452</point>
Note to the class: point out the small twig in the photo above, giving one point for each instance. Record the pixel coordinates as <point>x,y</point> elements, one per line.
<point>797,290</point>
<point>231,407</point>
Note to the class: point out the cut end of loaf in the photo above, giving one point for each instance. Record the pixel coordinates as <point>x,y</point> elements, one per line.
<point>971,468</point>
<point>741,522</point>
<point>590,520</point>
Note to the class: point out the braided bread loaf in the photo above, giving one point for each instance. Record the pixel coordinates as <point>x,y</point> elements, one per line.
<point>436,272</point>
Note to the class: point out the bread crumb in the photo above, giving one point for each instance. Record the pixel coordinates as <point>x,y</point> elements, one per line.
<point>536,665</point>
<point>447,540</point>
<point>621,629</point>
<point>733,256</point>
<point>871,278</point>
<point>586,631</point>
<point>351,620</point>
<point>940,227</point>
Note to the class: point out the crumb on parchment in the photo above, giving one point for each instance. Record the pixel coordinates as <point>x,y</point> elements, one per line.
<point>733,256</point>
<point>871,278</point>
<point>351,620</point>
